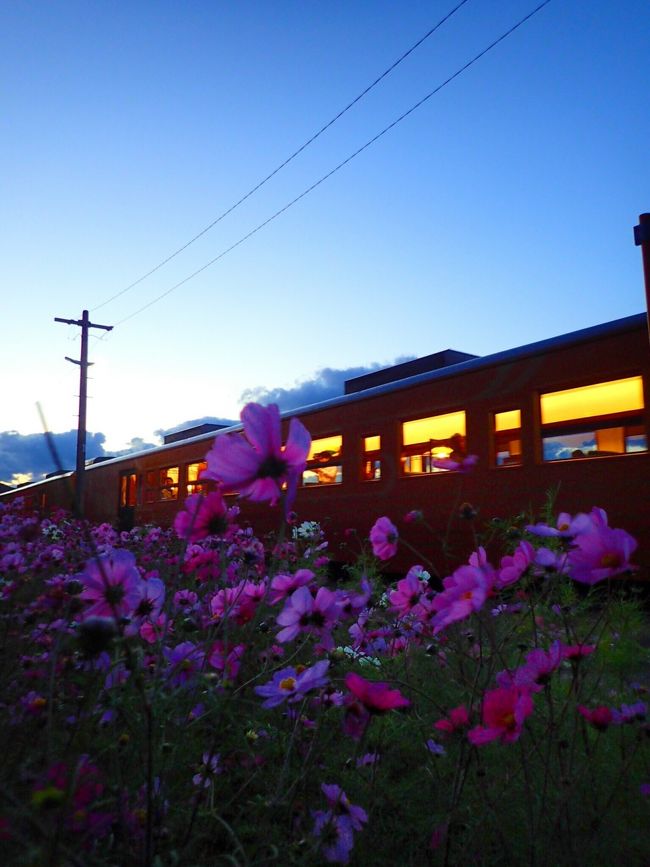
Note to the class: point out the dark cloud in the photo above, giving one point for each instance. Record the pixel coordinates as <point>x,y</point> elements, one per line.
<point>327,382</point>
<point>28,454</point>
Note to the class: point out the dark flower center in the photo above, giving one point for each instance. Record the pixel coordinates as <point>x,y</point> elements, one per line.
<point>272,467</point>
<point>217,525</point>
<point>114,594</point>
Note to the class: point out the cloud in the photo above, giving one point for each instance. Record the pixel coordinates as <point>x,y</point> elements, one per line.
<point>24,455</point>
<point>326,383</point>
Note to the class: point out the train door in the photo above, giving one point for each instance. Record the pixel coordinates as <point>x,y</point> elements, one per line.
<point>128,500</point>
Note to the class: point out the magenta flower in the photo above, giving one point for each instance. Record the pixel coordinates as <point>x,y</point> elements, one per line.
<point>536,671</point>
<point>112,584</point>
<point>504,713</point>
<point>457,719</point>
<point>600,717</point>
<point>257,465</point>
<point>291,684</point>
<point>383,538</point>
<point>202,517</point>
<point>376,697</point>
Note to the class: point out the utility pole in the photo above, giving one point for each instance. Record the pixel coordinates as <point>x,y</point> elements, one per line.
<point>84,323</point>
<point>642,239</point>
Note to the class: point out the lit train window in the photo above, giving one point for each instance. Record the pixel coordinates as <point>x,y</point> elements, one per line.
<point>598,420</point>
<point>371,459</point>
<point>507,438</point>
<point>426,441</point>
<point>161,485</point>
<point>194,485</point>
<point>323,462</point>
<point>128,489</point>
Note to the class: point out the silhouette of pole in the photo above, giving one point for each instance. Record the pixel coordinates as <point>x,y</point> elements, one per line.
<point>85,324</point>
<point>642,239</point>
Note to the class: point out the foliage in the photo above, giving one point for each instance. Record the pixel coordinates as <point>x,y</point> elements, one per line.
<point>171,699</point>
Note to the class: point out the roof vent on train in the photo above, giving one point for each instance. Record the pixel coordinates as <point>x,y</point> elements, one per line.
<point>56,473</point>
<point>408,368</point>
<point>99,459</point>
<point>197,430</point>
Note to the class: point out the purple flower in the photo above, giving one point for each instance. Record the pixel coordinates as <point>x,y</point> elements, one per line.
<point>304,613</point>
<point>600,552</point>
<point>290,684</point>
<point>337,824</point>
<point>112,584</point>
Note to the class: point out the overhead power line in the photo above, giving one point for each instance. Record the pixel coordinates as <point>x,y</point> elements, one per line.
<point>337,168</point>
<point>288,160</point>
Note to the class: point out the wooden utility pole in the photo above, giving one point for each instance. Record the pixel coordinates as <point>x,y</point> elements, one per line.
<point>84,323</point>
<point>642,239</point>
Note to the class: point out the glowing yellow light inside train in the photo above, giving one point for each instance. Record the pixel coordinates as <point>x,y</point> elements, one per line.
<point>438,427</point>
<point>372,444</point>
<point>509,420</point>
<point>441,452</point>
<point>603,398</point>
<point>331,444</point>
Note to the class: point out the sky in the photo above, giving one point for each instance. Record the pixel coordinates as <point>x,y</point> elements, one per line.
<point>498,213</point>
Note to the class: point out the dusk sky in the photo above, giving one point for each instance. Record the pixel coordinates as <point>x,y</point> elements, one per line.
<point>498,213</point>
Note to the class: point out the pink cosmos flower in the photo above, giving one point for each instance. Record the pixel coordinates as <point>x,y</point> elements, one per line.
<point>504,713</point>
<point>257,465</point>
<point>376,697</point>
<point>536,671</point>
<point>283,585</point>
<point>457,719</point>
<point>112,584</point>
<point>202,517</point>
<point>383,538</point>
<point>409,591</point>
<point>464,592</point>
<point>513,566</point>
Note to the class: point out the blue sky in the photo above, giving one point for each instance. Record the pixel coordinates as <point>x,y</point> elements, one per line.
<point>499,213</point>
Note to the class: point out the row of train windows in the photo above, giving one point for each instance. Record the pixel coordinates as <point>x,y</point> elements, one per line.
<point>597,420</point>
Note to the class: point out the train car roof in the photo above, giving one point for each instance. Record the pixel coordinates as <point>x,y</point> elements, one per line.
<point>583,335</point>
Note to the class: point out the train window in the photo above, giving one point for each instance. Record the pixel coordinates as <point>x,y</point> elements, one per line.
<point>194,485</point>
<point>507,438</point>
<point>428,440</point>
<point>161,485</point>
<point>598,420</point>
<point>128,489</point>
<point>323,462</point>
<point>371,459</point>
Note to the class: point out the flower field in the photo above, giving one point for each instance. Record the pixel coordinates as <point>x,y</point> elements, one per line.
<point>201,696</point>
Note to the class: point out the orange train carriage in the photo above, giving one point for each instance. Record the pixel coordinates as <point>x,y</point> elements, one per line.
<point>570,413</point>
